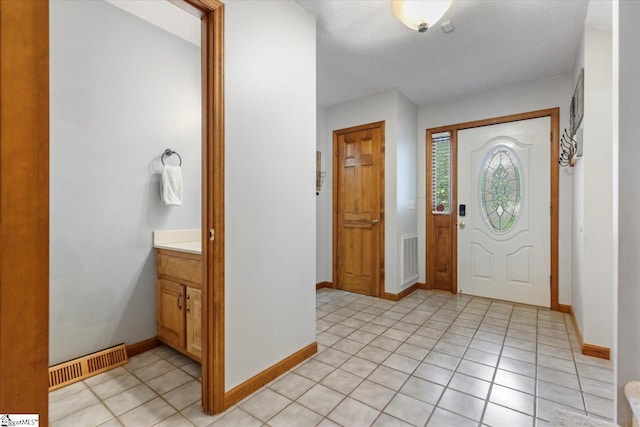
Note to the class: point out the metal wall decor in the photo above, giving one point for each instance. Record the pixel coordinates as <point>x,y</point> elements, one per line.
<point>576,111</point>
<point>570,144</point>
<point>320,174</point>
<point>568,148</point>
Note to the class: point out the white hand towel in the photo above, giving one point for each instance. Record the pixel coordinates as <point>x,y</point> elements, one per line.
<point>171,186</point>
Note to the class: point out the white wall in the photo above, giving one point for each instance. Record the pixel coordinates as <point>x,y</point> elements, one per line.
<point>323,201</point>
<point>628,316</point>
<point>549,93</point>
<point>399,115</point>
<point>407,177</point>
<point>577,259</point>
<point>592,298</point>
<point>118,99</point>
<point>270,213</point>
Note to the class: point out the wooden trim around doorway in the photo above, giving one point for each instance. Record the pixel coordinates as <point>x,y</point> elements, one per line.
<point>24,207</point>
<point>554,115</point>
<point>211,13</point>
<point>24,203</point>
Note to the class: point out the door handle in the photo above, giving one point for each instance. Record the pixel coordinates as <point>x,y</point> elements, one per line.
<point>461,224</point>
<point>179,300</point>
<point>374,222</point>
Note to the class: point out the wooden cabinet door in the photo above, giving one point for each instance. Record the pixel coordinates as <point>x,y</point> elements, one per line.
<point>170,317</point>
<point>194,322</point>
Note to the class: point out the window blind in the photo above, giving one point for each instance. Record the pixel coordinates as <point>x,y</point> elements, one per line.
<point>441,173</point>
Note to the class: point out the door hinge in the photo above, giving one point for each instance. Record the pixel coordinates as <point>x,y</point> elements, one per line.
<point>550,209</point>
<point>212,234</point>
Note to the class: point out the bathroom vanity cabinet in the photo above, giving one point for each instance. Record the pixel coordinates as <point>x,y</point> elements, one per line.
<point>179,301</point>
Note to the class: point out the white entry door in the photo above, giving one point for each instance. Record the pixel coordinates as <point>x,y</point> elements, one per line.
<point>504,234</point>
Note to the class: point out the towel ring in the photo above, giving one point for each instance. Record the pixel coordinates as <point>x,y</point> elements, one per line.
<point>168,152</point>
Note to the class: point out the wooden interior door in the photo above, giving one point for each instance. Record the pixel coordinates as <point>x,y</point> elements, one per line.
<point>24,207</point>
<point>359,209</point>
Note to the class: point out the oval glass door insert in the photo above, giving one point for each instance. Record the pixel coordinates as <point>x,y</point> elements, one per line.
<point>501,188</point>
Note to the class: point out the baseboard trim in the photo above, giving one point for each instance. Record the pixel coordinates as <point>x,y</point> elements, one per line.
<point>442,291</point>
<point>596,351</point>
<point>586,349</point>
<point>325,284</point>
<point>243,390</point>
<point>576,327</point>
<point>429,287</point>
<point>398,297</point>
<point>564,308</point>
<point>142,346</point>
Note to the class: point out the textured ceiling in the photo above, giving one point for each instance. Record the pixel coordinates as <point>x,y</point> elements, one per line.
<point>362,49</point>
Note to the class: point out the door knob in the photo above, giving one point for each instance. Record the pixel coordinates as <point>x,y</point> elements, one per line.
<point>461,224</point>
<point>374,222</point>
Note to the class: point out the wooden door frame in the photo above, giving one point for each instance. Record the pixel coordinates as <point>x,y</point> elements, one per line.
<point>24,204</point>
<point>211,13</point>
<point>375,125</point>
<point>24,207</point>
<point>554,115</point>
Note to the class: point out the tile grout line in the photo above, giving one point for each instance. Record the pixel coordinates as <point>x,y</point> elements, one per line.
<point>495,370</point>
<point>575,365</point>
<point>157,395</point>
<point>460,359</point>
<point>396,392</point>
<point>292,370</point>
<point>535,379</point>
<point>166,401</point>
<point>420,362</point>
<point>445,308</point>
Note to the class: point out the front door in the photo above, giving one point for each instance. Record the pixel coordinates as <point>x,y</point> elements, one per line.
<point>359,209</point>
<point>504,225</point>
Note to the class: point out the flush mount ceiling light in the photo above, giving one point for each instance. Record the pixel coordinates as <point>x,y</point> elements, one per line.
<point>419,14</point>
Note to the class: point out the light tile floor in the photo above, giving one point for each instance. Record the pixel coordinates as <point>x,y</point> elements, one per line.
<point>431,359</point>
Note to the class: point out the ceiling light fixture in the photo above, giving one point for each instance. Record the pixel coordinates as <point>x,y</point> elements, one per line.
<point>419,14</point>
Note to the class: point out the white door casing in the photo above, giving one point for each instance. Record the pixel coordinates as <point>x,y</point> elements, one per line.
<point>500,257</point>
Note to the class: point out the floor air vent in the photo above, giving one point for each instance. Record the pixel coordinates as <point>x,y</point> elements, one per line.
<point>409,256</point>
<point>86,366</point>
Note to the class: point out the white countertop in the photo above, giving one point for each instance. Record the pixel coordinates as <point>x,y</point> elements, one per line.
<point>178,240</point>
<point>193,247</point>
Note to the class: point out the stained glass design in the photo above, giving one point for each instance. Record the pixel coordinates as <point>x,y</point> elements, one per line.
<point>501,188</point>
